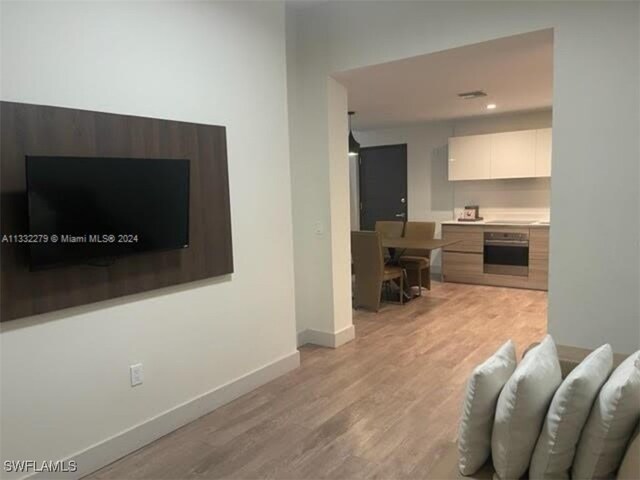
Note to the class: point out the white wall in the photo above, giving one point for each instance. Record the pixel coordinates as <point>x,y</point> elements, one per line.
<point>338,131</point>
<point>65,378</point>
<point>317,221</point>
<point>432,197</point>
<point>309,183</point>
<point>503,122</point>
<point>594,276</point>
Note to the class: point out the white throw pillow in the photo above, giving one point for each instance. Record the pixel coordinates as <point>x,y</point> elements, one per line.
<point>630,466</point>
<point>613,417</point>
<point>483,389</point>
<point>521,409</point>
<point>570,407</point>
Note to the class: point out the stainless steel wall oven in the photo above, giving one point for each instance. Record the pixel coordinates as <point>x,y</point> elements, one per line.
<point>506,253</point>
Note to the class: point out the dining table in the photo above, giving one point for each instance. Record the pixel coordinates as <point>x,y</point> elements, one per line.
<point>398,245</point>
<point>403,243</point>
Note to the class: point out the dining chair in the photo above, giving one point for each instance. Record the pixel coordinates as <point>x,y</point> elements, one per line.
<point>371,272</point>
<point>418,262</point>
<point>389,229</point>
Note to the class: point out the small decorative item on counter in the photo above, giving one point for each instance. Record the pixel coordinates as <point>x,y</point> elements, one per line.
<point>471,213</point>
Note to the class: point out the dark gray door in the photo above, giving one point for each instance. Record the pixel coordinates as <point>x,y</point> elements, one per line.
<point>383,184</point>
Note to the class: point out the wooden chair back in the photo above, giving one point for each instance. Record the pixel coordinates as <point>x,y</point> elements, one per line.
<point>425,230</point>
<point>368,267</point>
<point>389,229</point>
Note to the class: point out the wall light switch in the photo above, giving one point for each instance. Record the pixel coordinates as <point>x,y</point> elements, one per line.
<point>136,374</point>
<point>319,229</point>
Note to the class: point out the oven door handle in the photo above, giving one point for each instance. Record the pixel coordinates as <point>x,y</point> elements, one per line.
<point>506,243</point>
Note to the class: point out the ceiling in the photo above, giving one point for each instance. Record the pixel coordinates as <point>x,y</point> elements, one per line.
<point>515,72</point>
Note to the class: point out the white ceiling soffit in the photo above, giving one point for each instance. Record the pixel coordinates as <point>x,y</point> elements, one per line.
<point>515,72</point>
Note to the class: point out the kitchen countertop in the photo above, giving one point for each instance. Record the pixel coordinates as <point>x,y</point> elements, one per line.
<point>506,223</point>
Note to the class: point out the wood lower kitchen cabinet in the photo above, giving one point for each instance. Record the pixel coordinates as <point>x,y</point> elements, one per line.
<point>462,267</point>
<point>539,258</point>
<point>464,261</point>
<point>469,238</point>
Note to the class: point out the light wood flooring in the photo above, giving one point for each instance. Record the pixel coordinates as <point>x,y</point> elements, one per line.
<point>383,406</point>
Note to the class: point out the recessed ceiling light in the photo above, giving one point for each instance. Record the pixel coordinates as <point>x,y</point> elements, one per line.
<point>491,106</point>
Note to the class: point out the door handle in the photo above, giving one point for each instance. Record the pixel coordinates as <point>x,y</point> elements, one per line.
<point>401,215</point>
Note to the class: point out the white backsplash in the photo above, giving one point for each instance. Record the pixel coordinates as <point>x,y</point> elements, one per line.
<point>510,199</point>
<point>533,214</point>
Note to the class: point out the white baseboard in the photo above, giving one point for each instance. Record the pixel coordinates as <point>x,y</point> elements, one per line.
<point>327,339</point>
<point>344,336</point>
<point>102,453</point>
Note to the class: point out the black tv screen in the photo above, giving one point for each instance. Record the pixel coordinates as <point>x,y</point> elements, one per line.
<point>92,210</point>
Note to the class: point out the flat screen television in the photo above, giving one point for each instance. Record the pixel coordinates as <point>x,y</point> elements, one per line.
<point>93,210</point>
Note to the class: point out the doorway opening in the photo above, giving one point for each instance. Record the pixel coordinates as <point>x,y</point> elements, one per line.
<point>456,146</point>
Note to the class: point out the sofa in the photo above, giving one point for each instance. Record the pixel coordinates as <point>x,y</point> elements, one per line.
<point>446,466</point>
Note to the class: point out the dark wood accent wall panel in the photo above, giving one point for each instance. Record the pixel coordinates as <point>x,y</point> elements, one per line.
<point>52,131</point>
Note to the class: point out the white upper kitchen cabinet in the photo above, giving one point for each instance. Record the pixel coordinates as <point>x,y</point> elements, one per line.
<point>543,152</point>
<point>513,154</point>
<point>520,154</point>
<point>470,157</point>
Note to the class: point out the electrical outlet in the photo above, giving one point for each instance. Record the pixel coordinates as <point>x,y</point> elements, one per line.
<point>136,374</point>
